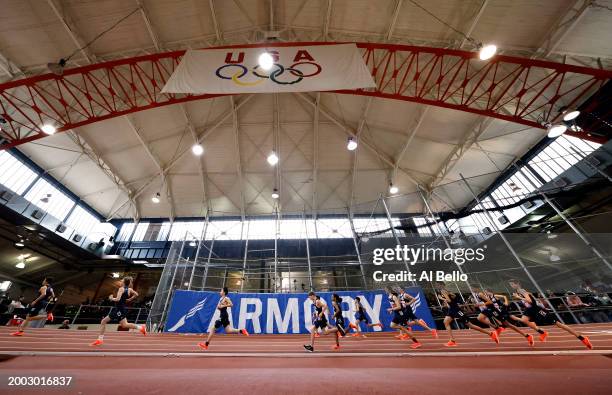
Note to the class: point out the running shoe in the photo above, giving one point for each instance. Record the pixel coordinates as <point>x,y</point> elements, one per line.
<point>405,337</point>
<point>308,348</point>
<point>143,330</point>
<point>451,343</point>
<point>335,347</point>
<point>352,326</point>
<point>434,333</point>
<point>499,330</point>
<point>50,317</point>
<point>355,335</point>
<point>585,340</point>
<point>543,336</point>
<point>317,334</point>
<point>98,342</point>
<point>415,345</point>
<point>18,333</point>
<point>203,346</point>
<point>399,336</point>
<point>495,337</point>
<point>244,332</point>
<point>530,340</point>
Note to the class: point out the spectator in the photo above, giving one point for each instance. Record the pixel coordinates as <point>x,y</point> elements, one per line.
<point>64,325</point>
<point>16,304</point>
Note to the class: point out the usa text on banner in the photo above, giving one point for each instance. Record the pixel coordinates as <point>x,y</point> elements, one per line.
<point>295,69</point>
<point>195,312</point>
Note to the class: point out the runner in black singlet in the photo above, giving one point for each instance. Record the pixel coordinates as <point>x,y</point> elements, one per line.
<point>125,294</point>
<point>407,301</point>
<point>360,316</point>
<point>319,321</point>
<point>535,315</point>
<point>454,312</point>
<point>223,321</point>
<point>399,320</point>
<point>45,295</point>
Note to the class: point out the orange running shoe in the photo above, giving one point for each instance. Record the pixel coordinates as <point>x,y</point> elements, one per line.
<point>317,334</point>
<point>405,337</point>
<point>18,333</point>
<point>50,317</point>
<point>451,343</point>
<point>543,336</point>
<point>495,337</point>
<point>203,346</point>
<point>399,336</point>
<point>143,330</point>
<point>434,333</point>
<point>355,335</point>
<point>352,326</point>
<point>336,347</point>
<point>244,332</point>
<point>98,342</point>
<point>499,330</point>
<point>585,340</point>
<point>415,345</point>
<point>530,340</point>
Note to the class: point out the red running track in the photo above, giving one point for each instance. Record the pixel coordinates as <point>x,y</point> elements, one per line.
<point>270,364</point>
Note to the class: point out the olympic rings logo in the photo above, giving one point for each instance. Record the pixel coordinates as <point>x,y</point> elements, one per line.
<point>296,73</point>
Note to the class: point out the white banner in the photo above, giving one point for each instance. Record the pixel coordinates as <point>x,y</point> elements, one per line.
<point>295,69</point>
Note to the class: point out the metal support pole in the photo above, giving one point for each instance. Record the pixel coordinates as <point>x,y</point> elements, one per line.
<point>76,315</point>
<point>308,252</point>
<point>510,248</point>
<point>446,242</point>
<point>137,316</point>
<point>171,285</point>
<point>276,231</point>
<point>567,221</point>
<point>210,251</point>
<point>195,261</point>
<point>397,240</point>
<point>354,234</point>
<point>244,260</point>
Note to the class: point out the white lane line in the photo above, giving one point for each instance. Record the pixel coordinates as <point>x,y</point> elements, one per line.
<point>307,355</point>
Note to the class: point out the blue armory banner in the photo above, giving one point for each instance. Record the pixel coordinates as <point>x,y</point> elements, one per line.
<point>279,313</point>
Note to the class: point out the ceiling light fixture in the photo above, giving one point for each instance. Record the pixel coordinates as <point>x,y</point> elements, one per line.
<point>19,244</point>
<point>351,145</point>
<point>156,198</point>
<point>570,115</point>
<point>393,189</point>
<point>486,52</point>
<point>266,61</point>
<point>48,129</point>
<point>273,158</point>
<point>197,149</point>
<point>556,130</point>
<point>20,265</point>
<point>275,194</point>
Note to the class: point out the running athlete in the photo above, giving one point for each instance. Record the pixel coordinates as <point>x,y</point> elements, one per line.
<point>399,320</point>
<point>223,320</point>
<point>535,315</point>
<point>495,313</point>
<point>338,317</point>
<point>45,295</point>
<point>411,319</point>
<point>360,316</point>
<point>319,321</point>
<point>125,295</point>
<point>454,312</point>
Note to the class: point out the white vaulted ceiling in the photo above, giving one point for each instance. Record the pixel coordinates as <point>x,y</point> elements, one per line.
<point>316,170</point>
